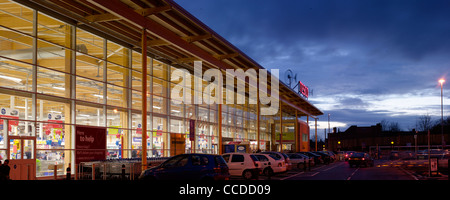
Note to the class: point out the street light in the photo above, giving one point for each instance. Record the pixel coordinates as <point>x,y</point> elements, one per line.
<point>441,81</point>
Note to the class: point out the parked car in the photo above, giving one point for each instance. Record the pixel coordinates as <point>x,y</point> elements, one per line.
<point>394,155</point>
<point>269,164</point>
<point>189,167</point>
<point>359,159</point>
<point>282,156</point>
<point>243,164</point>
<point>317,158</point>
<point>331,154</point>
<point>299,160</point>
<point>325,157</point>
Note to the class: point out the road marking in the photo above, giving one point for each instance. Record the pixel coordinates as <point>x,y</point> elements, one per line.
<point>314,174</point>
<point>292,175</point>
<point>352,174</point>
<point>409,173</point>
<point>332,167</point>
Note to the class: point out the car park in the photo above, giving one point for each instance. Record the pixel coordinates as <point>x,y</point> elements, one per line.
<point>269,164</point>
<point>243,164</point>
<point>360,158</point>
<point>189,167</point>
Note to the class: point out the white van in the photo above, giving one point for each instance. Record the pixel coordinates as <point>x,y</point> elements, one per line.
<point>243,164</point>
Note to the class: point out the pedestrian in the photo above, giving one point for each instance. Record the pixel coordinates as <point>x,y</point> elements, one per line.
<point>4,170</point>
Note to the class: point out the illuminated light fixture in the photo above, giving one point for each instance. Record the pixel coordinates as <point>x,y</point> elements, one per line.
<point>97,95</point>
<point>18,80</point>
<point>59,88</point>
<point>83,115</point>
<point>156,107</point>
<point>115,110</point>
<point>441,81</point>
<point>177,111</point>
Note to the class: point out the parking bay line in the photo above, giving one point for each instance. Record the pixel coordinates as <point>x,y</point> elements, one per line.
<point>293,175</point>
<point>352,174</point>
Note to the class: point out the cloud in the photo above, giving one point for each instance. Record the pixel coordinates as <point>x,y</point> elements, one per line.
<point>347,102</point>
<point>365,60</point>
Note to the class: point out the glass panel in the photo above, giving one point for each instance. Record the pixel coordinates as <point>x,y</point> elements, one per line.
<point>15,107</point>
<point>89,90</point>
<point>15,45</point>
<point>115,96</point>
<point>87,115</point>
<point>114,142</point>
<point>46,160</point>
<point>176,126</point>
<point>136,80</point>
<point>159,87</point>
<point>51,56</point>
<point>137,62</point>
<point>3,155</point>
<point>136,100</point>
<point>52,30</point>
<point>51,82</point>
<point>159,70</point>
<point>50,135</point>
<point>89,67</point>
<point>117,75</point>
<point>51,110</point>
<point>176,109</point>
<point>159,104</point>
<point>88,43</point>
<point>16,16</point>
<point>28,149</point>
<point>115,53</point>
<point>16,75</point>
<point>15,149</point>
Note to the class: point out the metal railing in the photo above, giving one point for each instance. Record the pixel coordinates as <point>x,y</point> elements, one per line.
<point>115,169</point>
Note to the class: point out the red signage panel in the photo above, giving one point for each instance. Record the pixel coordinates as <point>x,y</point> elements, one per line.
<point>302,89</point>
<point>90,143</point>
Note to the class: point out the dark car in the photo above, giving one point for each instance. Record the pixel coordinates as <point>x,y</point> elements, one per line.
<point>325,157</point>
<point>359,159</point>
<point>189,167</point>
<point>317,158</point>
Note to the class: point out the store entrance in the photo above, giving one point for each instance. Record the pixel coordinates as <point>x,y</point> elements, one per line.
<point>22,157</point>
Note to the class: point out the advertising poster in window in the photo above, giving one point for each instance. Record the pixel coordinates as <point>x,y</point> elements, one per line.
<point>90,143</point>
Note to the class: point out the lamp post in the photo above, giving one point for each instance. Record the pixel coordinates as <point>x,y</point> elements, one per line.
<point>441,81</point>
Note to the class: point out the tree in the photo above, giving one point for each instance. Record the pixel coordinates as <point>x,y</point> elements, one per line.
<point>394,127</point>
<point>424,123</point>
<point>389,126</point>
<point>384,125</point>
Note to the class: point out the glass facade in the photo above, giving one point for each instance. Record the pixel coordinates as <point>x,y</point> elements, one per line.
<point>55,76</point>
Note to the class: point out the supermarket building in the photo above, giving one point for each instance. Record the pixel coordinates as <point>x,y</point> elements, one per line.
<point>72,82</point>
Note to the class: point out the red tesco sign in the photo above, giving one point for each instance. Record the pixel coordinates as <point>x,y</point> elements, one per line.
<point>302,89</point>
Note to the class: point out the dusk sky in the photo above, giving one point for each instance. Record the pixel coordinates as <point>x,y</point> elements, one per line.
<point>365,60</point>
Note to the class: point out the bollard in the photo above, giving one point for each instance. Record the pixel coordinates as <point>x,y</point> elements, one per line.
<point>93,171</point>
<point>68,171</point>
<point>309,165</point>
<point>304,165</point>
<point>55,171</point>
<point>123,172</point>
